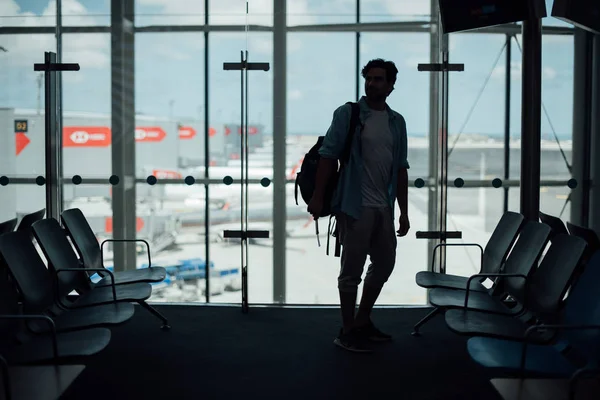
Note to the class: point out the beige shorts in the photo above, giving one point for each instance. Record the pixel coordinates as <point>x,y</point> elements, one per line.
<point>374,234</point>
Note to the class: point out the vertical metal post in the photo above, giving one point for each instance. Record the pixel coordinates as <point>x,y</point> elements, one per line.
<point>434,104</point>
<point>123,132</point>
<point>59,103</point>
<point>243,186</point>
<point>52,141</point>
<point>206,158</point>
<point>507,98</point>
<point>594,210</point>
<point>582,117</point>
<point>443,151</point>
<point>358,69</point>
<point>279,150</point>
<point>531,111</point>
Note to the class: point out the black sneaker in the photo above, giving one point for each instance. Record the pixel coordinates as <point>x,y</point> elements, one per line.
<point>351,342</point>
<point>371,333</point>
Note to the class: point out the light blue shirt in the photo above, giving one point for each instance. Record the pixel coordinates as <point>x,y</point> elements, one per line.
<point>348,197</point>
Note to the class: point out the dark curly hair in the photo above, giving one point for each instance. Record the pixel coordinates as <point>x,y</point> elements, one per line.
<point>390,69</point>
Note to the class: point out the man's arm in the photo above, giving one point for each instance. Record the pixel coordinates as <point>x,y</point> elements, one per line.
<point>402,191</point>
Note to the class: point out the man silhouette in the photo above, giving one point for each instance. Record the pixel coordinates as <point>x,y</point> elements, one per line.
<point>373,180</point>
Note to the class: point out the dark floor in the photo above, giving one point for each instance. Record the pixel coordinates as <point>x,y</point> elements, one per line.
<point>216,352</point>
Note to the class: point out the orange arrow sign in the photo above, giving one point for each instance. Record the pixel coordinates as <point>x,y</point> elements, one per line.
<point>22,141</point>
<point>86,136</point>
<point>186,132</point>
<point>149,134</point>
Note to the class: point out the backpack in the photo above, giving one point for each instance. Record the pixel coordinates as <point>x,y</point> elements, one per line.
<point>306,177</point>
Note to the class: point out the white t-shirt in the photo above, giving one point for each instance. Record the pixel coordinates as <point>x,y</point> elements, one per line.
<point>378,157</point>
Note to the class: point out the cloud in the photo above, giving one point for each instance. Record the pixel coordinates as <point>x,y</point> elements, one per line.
<point>89,50</point>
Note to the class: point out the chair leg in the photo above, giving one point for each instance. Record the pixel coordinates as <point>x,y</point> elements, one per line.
<point>154,311</point>
<point>432,314</point>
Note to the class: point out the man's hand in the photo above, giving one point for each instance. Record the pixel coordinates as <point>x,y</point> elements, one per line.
<point>404,226</point>
<point>315,207</point>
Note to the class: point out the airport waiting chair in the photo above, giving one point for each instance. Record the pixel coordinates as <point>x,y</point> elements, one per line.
<point>589,235</point>
<point>8,226</point>
<point>556,224</point>
<point>575,387</point>
<point>39,382</point>
<point>542,301</point>
<point>576,346</point>
<point>37,290</point>
<point>28,220</point>
<point>492,258</point>
<point>20,346</point>
<point>90,251</point>
<point>519,265</point>
<point>70,275</point>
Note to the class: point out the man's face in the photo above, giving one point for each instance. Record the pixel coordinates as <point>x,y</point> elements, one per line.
<point>376,85</point>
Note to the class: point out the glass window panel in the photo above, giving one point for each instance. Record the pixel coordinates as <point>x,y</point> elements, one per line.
<point>19,200</point>
<point>557,99</point>
<point>225,214</point>
<point>225,152</point>
<point>19,13</point>
<point>169,12</point>
<point>394,10</point>
<point>85,12</point>
<point>320,66</point>
<point>87,101</point>
<point>169,96</point>
<point>476,107</point>
<point>22,99</point>
<point>225,103</point>
<point>320,78</point>
<point>312,12</point>
<point>233,12</point>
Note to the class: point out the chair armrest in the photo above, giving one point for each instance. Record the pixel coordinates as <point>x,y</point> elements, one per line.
<point>6,379</point>
<point>491,275</point>
<point>581,373</point>
<point>126,241</point>
<point>458,244</point>
<point>112,280</point>
<point>540,327</point>
<point>34,317</point>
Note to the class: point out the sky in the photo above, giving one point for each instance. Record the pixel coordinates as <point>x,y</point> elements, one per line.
<point>320,66</point>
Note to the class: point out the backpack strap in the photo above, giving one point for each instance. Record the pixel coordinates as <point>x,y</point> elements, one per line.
<point>338,244</point>
<point>354,121</point>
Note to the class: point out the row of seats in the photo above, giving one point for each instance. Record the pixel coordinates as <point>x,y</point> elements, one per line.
<point>52,316</point>
<point>533,310</point>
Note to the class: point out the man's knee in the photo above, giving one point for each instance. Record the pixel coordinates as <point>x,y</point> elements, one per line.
<point>379,274</point>
<point>348,284</point>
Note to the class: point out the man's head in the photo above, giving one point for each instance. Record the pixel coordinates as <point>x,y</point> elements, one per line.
<point>380,77</point>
